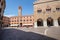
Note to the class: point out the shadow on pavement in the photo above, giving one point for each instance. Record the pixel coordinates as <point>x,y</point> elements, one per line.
<point>14,34</point>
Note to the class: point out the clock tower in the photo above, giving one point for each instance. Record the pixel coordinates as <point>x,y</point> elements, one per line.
<point>20,15</point>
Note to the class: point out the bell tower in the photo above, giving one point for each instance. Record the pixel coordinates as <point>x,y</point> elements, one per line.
<point>20,16</point>
<point>19,11</point>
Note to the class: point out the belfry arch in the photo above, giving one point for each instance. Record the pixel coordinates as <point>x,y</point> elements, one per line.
<point>59,21</point>
<point>39,22</point>
<point>49,21</point>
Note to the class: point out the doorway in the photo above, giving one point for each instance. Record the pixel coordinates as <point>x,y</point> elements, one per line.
<point>59,21</point>
<point>21,24</point>
<point>49,21</point>
<point>39,22</point>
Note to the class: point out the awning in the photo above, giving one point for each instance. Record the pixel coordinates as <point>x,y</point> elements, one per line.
<point>14,25</point>
<point>27,24</point>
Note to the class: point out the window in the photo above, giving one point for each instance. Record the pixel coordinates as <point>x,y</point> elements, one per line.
<point>24,20</point>
<point>39,11</point>
<point>48,9</point>
<point>0,10</point>
<point>20,20</point>
<point>57,9</point>
<point>17,20</point>
<point>30,16</point>
<point>0,0</point>
<point>30,19</point>
<point>0,18</point>
<point>12,21</point>
<point>2,3</point>
<point>27,20</point>
<point>27,16</point>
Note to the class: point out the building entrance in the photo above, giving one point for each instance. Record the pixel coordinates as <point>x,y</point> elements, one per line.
<point>39,22</point>
<point>49,22</point>
<point>21,24</point>
<point>59,21</point>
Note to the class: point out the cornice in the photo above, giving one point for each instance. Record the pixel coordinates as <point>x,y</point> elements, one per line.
<point>44,2</point>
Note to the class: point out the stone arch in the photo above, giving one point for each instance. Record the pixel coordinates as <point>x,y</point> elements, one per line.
<point>59,21</point>
<point>39,22</point>
<point>49,21</point>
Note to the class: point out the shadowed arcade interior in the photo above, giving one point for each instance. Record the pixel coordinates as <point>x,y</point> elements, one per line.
<point>59,21</point>
<point>21,24</point>
<point>39,22</point>
<point>49,21</point>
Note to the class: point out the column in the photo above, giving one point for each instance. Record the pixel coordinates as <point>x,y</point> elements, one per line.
<point>56,23</point>
<point>45,23</point>
<point>35,25</point>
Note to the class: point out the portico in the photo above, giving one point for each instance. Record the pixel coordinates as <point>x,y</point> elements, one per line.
<point>46,24</point>
<point>46,13</point>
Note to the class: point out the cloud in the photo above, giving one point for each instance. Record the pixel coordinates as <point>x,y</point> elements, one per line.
<point>9,15</point>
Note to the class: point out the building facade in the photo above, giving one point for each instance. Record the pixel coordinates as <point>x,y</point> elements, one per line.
<point>46,13</point>
<point>2,7</point>
<point>6,21</point>
<point>20,20</point>
<point>25,21</point>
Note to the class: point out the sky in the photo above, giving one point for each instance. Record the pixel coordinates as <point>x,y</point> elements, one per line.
<point>12,7</point>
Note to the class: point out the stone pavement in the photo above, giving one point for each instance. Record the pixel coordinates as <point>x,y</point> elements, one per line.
<point>53,32</point>
<point>14,34</point>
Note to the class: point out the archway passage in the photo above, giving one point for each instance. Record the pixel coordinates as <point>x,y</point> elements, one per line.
<point>39,22</point>
<point>59,21</point>
<point>49,21</point>
<point>21,24</point>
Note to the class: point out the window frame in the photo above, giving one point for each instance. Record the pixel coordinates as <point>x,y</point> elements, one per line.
<point>58,9</point>
<point>39,11</point>
<point>48,10</point>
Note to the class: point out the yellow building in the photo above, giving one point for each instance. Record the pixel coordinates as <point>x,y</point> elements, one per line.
<point>46,13</point>
<point>2,7</point>
<point>20,20</point>
<point>26,21</point>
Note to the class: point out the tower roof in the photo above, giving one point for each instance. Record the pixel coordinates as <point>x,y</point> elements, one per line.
<point>19,7</point>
